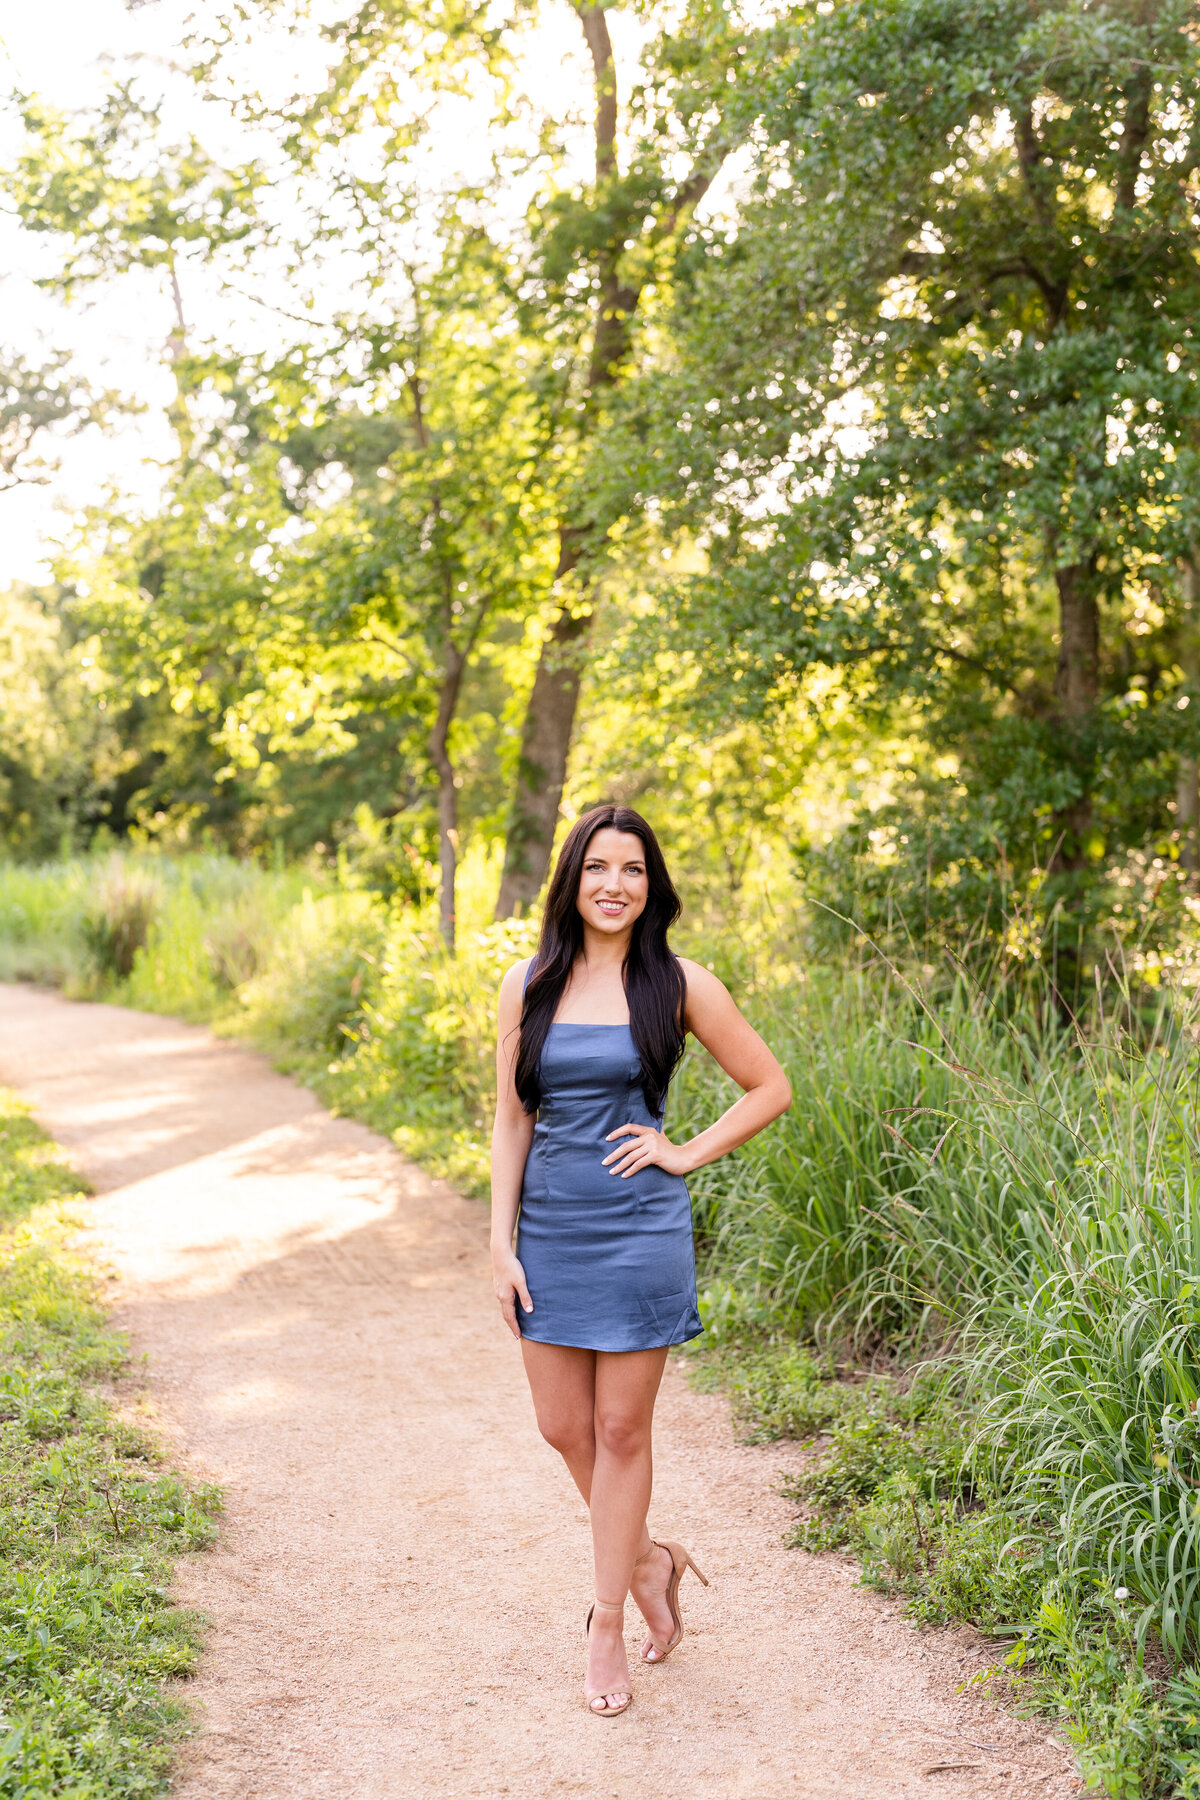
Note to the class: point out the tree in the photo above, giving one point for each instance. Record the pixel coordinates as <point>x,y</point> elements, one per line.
<point>54,738</point>
<point>938,409</point>
<point>416,401</point>
<point>434,550</point>
<point>352,526</point>
<point>586,261</point>
<point>621,236</point>
<point>119,197</point>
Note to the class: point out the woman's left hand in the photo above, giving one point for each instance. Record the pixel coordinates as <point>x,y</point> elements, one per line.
<point>649,1147</point>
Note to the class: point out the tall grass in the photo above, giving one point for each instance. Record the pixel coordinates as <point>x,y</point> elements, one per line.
<point>41,915</point>
<point>1018,1204</point>
<point>175,934</point>
<point>1023,1202</point>
<point>897,1184</point>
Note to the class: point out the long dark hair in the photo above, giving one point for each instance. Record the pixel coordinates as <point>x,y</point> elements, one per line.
<point>654,982</point>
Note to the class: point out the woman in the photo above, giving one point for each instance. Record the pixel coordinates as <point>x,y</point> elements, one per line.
<point>602,1280</point>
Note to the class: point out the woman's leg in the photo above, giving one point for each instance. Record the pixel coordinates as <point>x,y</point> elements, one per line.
<point>562,1381</point>
<point>622,1473</point>
<point>626,1388</point>
<point>585,1399</point>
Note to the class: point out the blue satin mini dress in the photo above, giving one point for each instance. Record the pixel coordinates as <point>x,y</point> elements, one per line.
<point>609,1262</point>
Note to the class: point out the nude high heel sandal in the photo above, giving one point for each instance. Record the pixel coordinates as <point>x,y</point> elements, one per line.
<point>680,1561</point>
<point>590,1694</point>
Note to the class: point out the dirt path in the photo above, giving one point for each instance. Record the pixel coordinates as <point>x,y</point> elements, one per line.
<point>398,1593</point>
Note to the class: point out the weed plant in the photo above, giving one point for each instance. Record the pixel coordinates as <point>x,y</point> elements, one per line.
<point>124,901</point>
<point>89,1520</point>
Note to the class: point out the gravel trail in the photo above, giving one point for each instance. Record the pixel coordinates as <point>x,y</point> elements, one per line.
<point>398,1593</point>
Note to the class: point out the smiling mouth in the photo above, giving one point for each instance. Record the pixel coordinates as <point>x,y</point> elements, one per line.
<point>611,906</point>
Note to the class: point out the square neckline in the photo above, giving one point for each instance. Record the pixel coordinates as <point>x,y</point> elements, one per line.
<point>592,1024</point>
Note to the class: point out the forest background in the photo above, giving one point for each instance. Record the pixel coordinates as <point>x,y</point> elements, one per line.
<point>781,418</point>
<point>787,421</point>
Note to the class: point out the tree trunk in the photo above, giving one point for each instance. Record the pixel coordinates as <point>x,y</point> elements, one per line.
<point>1187,813</point>
<point>1187,785</point>
<point>545,743</point>
<point>1077,688</point>
<point>439,755</point>
<point>550,720</point>
<point>1077,679</point>
<point>176,350</point>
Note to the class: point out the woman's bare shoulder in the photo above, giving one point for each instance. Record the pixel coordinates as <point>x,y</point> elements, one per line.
<point>510,999</point>
<point>700,980</point>
<point>709,1002</point>
<point>515,977</point>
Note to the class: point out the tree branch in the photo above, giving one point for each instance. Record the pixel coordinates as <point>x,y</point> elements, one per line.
<point>595,30</point>
<point>690,193</point>
<point>376,636</point>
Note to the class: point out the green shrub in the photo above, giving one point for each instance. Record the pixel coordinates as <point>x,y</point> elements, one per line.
<point>891,1477</point>
<point>777,1390</point>
<point>421,1057</point>
<point>318,976</point>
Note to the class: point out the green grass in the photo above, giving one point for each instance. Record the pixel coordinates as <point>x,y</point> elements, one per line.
<point>90,1520</point>
<point>966,1190</point>
<point>891,1478</point>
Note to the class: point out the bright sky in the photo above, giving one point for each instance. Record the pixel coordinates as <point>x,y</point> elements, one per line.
<point>66,51</point>
<point>55,49</point>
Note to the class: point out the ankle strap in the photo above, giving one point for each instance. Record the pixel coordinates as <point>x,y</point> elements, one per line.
<point>654,1545</point>
<point>613,1605</point>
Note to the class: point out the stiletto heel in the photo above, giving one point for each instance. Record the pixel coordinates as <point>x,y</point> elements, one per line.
<point>680,1562</point>
<point>590,1694</point>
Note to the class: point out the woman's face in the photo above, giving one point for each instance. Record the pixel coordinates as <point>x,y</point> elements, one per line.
<point>613,886</point>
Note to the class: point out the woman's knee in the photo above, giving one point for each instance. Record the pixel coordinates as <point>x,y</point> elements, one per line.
<point>566,1433</point>
<point>622,1433</point>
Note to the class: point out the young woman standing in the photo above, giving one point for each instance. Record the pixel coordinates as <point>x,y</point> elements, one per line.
<point>602,1278</point>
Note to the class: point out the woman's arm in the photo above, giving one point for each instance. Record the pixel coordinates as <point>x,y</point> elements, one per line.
<point>512,1134</point>
<point>712,1016</point>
